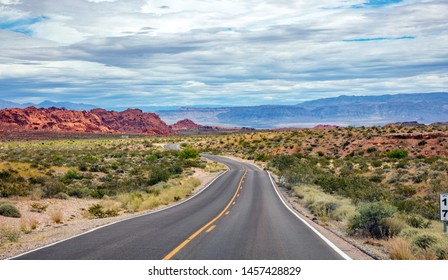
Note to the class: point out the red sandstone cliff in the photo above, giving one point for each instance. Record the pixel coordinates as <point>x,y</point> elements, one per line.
<point>96,120</point>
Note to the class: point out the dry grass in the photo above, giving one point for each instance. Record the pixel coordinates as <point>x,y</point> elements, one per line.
<point>399,249</point>
<point>160,194</point>
<point>24,169</point>
<point>27,225</point>
<point>324,205</point>
<point>214,167</point>
<point>56,215</point>
<point>9,234</point>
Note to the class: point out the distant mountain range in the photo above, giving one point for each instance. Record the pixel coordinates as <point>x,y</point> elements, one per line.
<point>343,110</point>
<point>48,104</point>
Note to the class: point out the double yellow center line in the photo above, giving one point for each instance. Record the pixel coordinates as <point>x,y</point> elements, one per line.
<point>183,244</point>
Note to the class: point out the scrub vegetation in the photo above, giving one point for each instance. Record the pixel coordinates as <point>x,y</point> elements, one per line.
<point>119,175</point>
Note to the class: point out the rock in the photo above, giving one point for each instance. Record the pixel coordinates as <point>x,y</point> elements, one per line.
<point>94,121</point>
<point>185,124</point>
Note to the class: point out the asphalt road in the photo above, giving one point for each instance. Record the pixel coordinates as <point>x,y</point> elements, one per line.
<point>239,216</point>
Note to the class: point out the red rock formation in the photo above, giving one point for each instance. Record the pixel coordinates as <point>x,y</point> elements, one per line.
<point>97,120</point>
<point>53,119</point>
<point>185,125</point>
<point>133,121</point>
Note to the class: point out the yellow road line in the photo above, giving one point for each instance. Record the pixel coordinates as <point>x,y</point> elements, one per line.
<point>210,228</point>
<point>193,236</point>
<point>227,213</point>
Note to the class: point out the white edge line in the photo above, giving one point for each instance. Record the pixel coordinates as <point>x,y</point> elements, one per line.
<point>126,219</point>
<point>329,243</point>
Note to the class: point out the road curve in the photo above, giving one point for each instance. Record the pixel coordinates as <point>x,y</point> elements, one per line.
<point>239,216</point>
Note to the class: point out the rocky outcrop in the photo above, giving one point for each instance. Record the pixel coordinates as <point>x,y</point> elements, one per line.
<point>133,121</point>
<point>185,125</point>
<point>96,121</point>
<point>53,119</point>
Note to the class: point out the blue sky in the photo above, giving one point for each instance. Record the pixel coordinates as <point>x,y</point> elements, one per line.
<point>130,53</point>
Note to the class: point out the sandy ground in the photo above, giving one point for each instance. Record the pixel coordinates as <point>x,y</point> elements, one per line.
<point>73,219</point>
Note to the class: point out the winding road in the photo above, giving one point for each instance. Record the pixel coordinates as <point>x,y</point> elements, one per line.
<point>238,216</point>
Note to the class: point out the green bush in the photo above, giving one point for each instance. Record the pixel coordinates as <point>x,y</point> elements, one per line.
<point>98,211</point>
<point>424,241</point>
<point>397,154</point>
<point>71,175</point>
<point>9,210</point>
<point>189,153</point>
<point>417,221</point>
<point>441,250</point>
<point>371,219</point>
<point>158,175</point>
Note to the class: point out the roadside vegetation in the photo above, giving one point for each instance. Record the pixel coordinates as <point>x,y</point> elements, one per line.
<point>118,175</point>
<point>378,183</point>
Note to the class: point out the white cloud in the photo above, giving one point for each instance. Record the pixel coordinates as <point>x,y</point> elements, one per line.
<point>9,2</point>
<point>193,84</point>
<point>278,50</point>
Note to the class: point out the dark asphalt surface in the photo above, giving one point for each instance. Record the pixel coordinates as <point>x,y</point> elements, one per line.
<point>257,226</point>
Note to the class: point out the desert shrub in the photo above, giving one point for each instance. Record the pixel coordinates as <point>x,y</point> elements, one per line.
<point>158,175</point>
<point>9,234</point>
<point>376,178</point>
<point>79,192</point>
<point>324,205</point>
<point>424,241</point>
<point>62,196</point>
<point>38,207</point>
<point>422,143</point>
<point>392,226</point>
<point>441,250</point>
<point>399,249</point>
<point>189,153</point>
<point>376,163</point>
<point>53,187</point>
<point>9,210</point>
<point>98,211</point>
<point>397,154</point>
<point>417,221</point>
<point>71,175</point>
<point>262,157</point>
<point>151,158</point>
<point>28,225</point>
<point>36,180</point>
<point>409,233</point>
<point>355,187</point>
<point>56,215</point>
<point>370,219</point>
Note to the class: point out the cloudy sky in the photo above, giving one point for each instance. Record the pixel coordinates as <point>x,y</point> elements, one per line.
<point>134,53</point>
